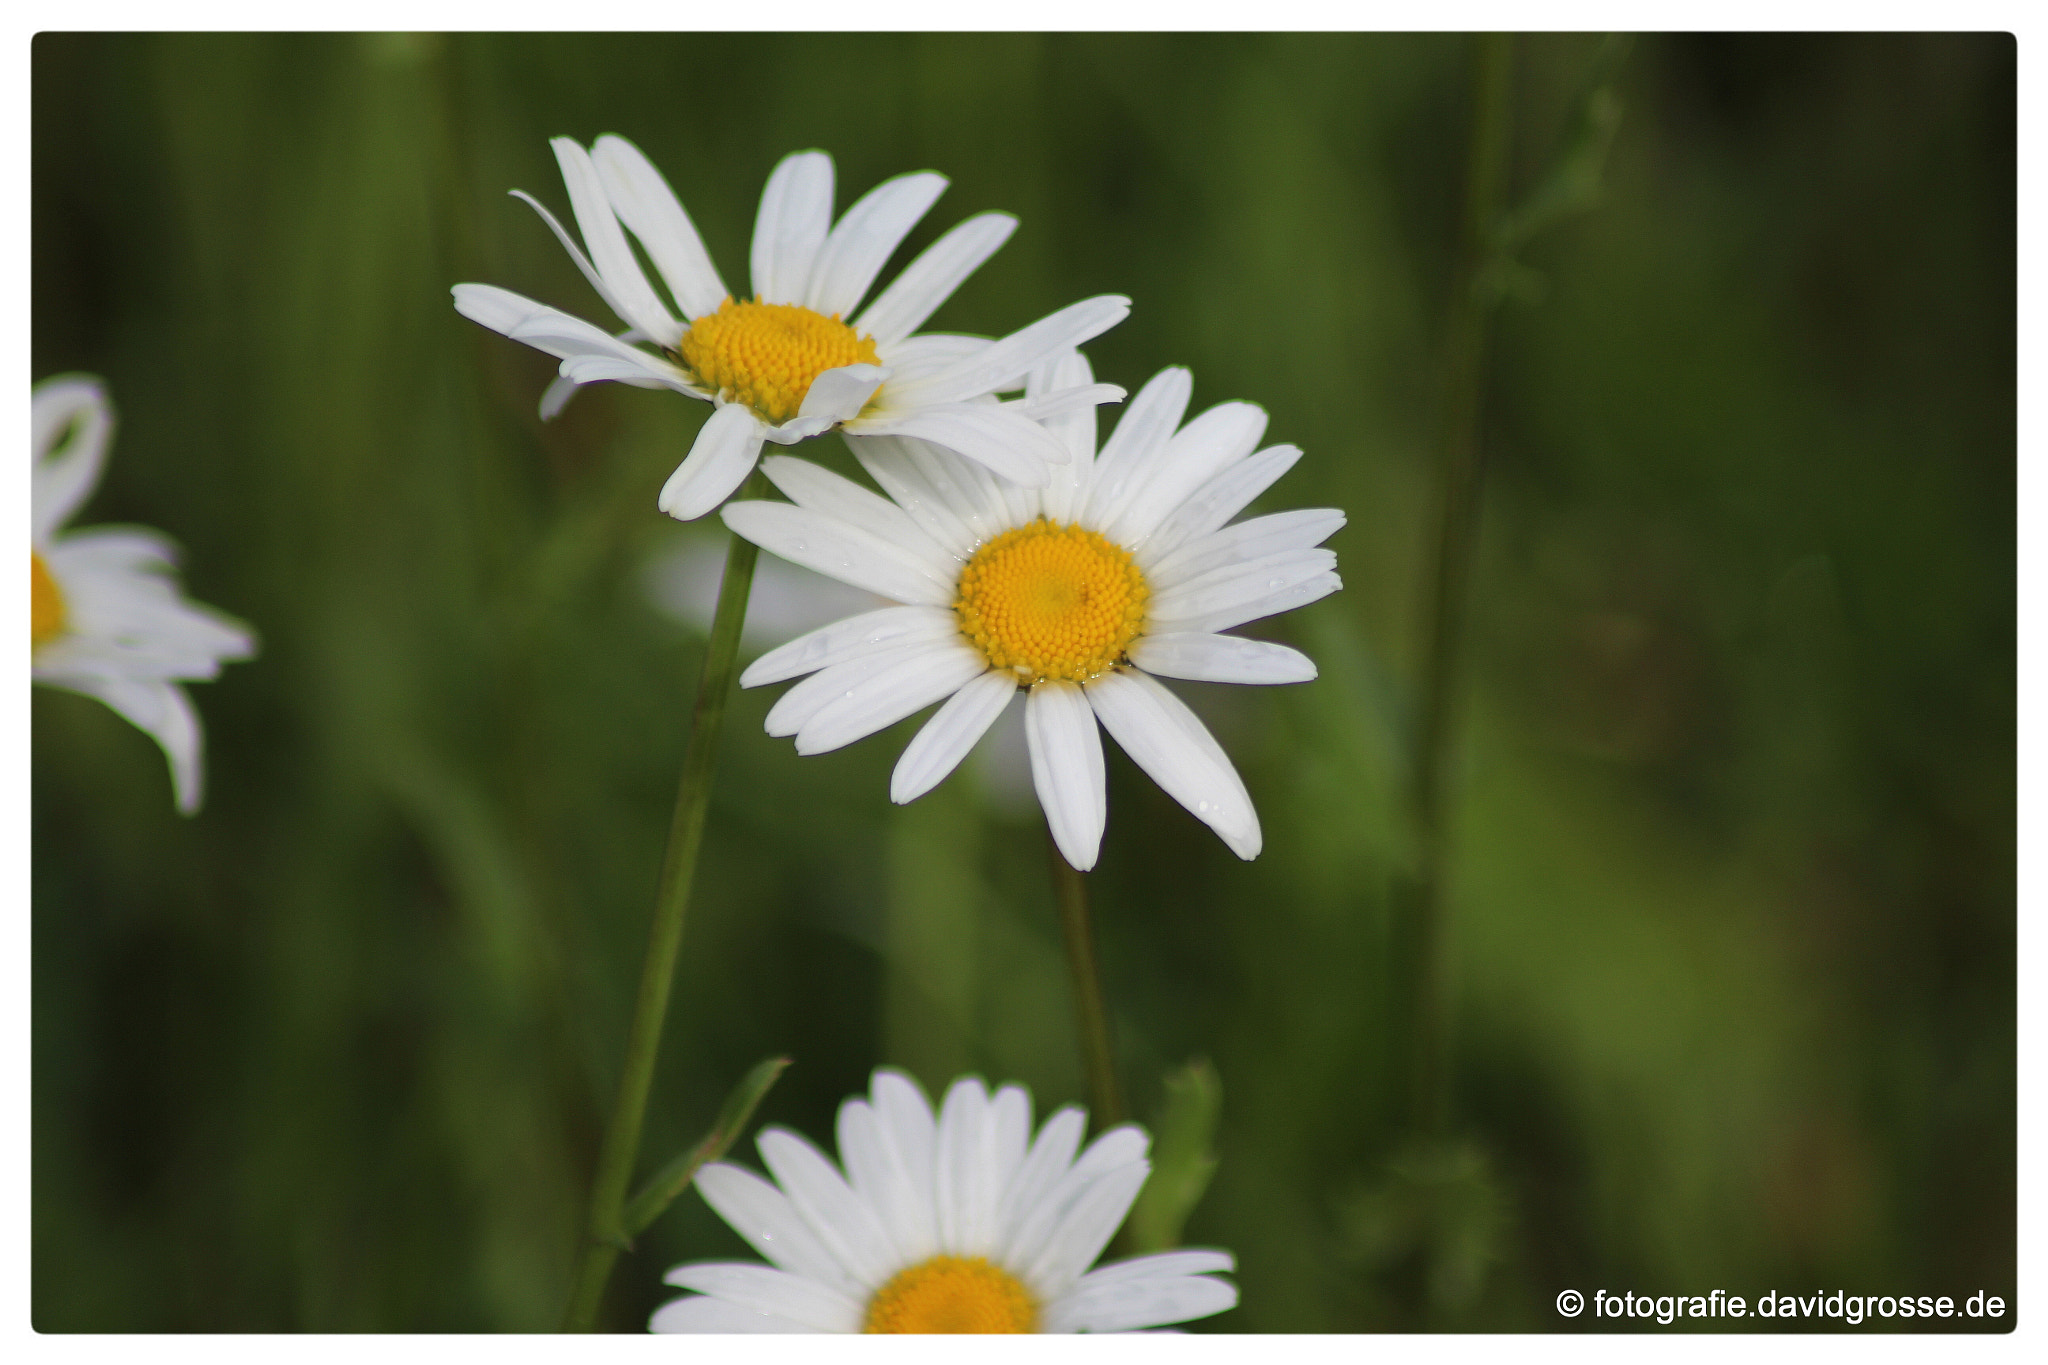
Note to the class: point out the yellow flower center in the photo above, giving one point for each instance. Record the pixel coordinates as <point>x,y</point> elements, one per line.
<point>765,355</point>
<point>1051,601</point>
<point>46,611</point>
<point>952,1294</point>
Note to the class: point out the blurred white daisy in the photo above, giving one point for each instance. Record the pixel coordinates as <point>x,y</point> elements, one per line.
<point>784,365</point>
<point>106,618</point>
<point>1121,569</point>
<point>963,1224</point>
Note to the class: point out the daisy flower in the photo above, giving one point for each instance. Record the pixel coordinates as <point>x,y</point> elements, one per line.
<point>784,365</point>
<point>1083,594</point>
<point>963,1224</point>
<point>105,615</point>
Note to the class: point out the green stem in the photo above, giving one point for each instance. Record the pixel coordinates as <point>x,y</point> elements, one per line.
<point>605,1235</point>
<point>1091,1019</point>
<point>1445,587</point>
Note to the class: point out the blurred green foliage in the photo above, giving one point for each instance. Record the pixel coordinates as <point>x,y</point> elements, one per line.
<point>1733,891</point>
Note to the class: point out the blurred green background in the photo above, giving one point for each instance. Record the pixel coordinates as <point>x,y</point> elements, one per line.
<point>1733,878</point>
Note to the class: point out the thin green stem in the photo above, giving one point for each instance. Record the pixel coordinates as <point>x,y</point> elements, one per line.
<point>1091,1018</point>
<point>1442,612</point>
<point>605,1234</point>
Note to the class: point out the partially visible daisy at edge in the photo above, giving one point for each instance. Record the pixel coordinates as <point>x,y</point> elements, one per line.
<point>1122,571</point>
<point>785,365</point>
<point>965,1223</point>
<point>105,615</point>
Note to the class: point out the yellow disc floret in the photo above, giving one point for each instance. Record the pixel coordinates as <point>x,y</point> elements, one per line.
<point>1051,601</point>
<point>765,355</point>
<point>46,610</point>
<point>952,1294</point>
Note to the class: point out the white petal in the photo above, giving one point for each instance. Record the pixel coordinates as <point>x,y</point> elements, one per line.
<point>1074,428</point>
<point>1148,1301</point>
<point>818,489</point>
<point>887,696</point>
<point>650,208</point>
<point>1240,544</point>
<point>1065,402</point>
<point>560,390</point>
<point>555,332</point>
<point>127,619</point>
<point>851,638</point>
<point>986,502</point>
<point>1234,585</point>
<point>629,292</point>
<point>1141,433</point>
<point>762,1214</point>
<point>1176,750</point>
<point>904,1120</point>
<point>865,236</point>
<point>590,369</point>
<point>1037,1222</point>
<point>569,244</point>
<point>162,711</point>
<point>878,1172</point>
<point>1044,1166</point>
<point>1219,438</point>
<point>1008,443</point>
<point>839,394</point>
<point>1010,1117</point>
<point>723,455</point>
<point>767,1290</point>
<point>889,464</point>
<point>842,1220</point>
<point>556,396</point>
<point>498,309</point>
<point>1124,1145</point>
<point>699,1313</point>
<point>962,1189</point>
<point>1160,1265</point>
<point>844,552</point>
<point>71,424</point>
<point>1222,498</point>
<point>953,730</point>
<point>915,357</point>
<point>1221,659</point>
<point>796,212</point>
<point>1085,1229</point>
<point>573,339</point>
<point>1002,367</point>
<point>798,705</point>
<point>987,1139</point>
<point>798,429</point>
<point>1066,769</point>
<point>931,279</point>
<point>1308,590</point>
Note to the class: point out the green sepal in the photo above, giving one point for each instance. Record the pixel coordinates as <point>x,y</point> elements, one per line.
<point>1183,1158</point>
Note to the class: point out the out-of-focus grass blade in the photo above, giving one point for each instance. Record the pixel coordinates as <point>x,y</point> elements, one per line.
<point>1183,1157</point>
<point>657,1194</point>
<point>1572,184</point>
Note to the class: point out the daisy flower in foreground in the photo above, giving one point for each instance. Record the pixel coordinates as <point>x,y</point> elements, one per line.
<point>783,365</point>
<point>963,1224</point>
<point>105,616</point>
<point>1121,569</point>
